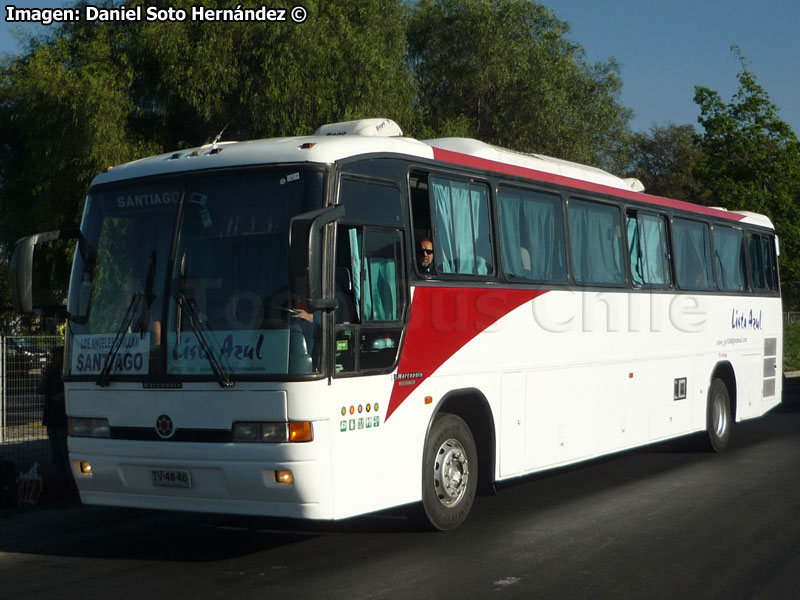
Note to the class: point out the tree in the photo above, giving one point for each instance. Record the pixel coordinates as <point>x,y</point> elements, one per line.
<point>194,78</point>
<point>751,161</point>
<point>664,160</point>
<point>503,71</point>
<point>95,94</point>
<point>63,113</point>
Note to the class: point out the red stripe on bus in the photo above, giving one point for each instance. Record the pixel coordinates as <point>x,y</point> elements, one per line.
<point>442,320</point>
<point>490,165</point>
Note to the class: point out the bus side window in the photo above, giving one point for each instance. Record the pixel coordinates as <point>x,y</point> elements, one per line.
<point>462,237</point>
<point>729,258</point>
<point>648,249</point>
<point>761,254</point>
<point>692,254</point>
<point>768,256</point>
<point>532,235</point>
<point>597,246</point>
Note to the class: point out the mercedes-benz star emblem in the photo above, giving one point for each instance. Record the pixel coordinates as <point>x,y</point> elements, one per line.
<point>164,427</point>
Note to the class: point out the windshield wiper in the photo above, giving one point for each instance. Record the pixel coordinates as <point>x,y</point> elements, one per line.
<point>105,372</point>
<point>149,296</point>
<point>194,321</point>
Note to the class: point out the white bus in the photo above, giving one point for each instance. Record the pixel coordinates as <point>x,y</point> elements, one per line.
<point>254,329</point>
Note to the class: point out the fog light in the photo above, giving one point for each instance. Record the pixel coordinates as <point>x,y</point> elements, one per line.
<point>284,476</point>
<point>85,467</point>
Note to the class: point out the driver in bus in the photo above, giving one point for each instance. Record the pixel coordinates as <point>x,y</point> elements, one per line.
<point>425,262</point>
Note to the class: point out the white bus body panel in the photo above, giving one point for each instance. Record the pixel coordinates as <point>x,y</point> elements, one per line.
<point>574,375</point>
<point>568,376</point>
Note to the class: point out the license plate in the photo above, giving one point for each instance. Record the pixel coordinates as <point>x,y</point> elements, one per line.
<point>170,478</point>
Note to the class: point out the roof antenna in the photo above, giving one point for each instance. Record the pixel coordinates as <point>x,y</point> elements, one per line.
<point>219,136</point>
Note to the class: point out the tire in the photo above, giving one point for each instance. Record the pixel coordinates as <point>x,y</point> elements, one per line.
<point>719,416</point>
<point>449,472</point>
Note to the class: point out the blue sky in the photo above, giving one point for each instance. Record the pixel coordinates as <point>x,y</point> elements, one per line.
<point>665,48</point>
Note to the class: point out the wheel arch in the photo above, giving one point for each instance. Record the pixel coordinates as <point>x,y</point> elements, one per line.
<point>471,405</point>
<point>724,371</point>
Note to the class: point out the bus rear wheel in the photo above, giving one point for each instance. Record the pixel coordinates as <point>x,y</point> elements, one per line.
<point>449,472</point>
<point>719,416</point>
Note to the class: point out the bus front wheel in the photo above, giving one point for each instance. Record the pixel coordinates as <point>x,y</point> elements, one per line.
<point>449,472</point>
<point>719,417</point>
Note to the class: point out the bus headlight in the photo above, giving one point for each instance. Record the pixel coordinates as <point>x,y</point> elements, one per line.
<point>273,432</point>
<point>85,427</point>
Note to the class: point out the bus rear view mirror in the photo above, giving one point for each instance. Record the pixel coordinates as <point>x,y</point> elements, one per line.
<point>305,255</point>
<point>39,271</point>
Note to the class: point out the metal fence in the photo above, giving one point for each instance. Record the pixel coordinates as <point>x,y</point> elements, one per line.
<point>23,438</point>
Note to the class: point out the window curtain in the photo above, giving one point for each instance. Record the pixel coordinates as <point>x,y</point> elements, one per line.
<point>596,237</point>
<point>637,266</point>
<point>463,243</point>
<point>546,248</point>
<point>380,271</point>
<point>510,232</point>
<point>462,228</point>
<point>654,237</point>
<point>355,268</point>
<point>532,236</point>
<point>379,297</point>
<point>694,253</point>
<point>481,236</point>
<point>729,256</point>
<point>756,268</point>
<point>444,251</point>
<point>766,256</point>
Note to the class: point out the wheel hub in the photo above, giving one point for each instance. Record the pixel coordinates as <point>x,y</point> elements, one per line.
<point>451,472</point>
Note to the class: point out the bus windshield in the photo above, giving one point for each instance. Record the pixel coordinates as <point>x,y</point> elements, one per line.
<point>190,270</point>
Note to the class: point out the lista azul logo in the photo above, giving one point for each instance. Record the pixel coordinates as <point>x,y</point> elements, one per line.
<point>745,319</point>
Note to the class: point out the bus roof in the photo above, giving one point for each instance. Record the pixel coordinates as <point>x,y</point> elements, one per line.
<point>339,141</point>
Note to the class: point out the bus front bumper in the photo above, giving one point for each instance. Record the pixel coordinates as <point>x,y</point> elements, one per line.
<point>282,480</point>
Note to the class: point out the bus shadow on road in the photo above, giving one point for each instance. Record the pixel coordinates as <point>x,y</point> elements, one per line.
<point>529,495</point>
<point>129,534</point>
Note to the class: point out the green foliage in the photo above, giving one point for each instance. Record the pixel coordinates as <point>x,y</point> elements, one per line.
<point>97,94</point>
<point>259,80</point>
<point>63,113</point>
<point>791,346</point>
<point>503,72</point>
<point>751,161</point>
<point>664,160</point>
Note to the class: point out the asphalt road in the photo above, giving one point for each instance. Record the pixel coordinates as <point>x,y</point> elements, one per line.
<point>660,522</point>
